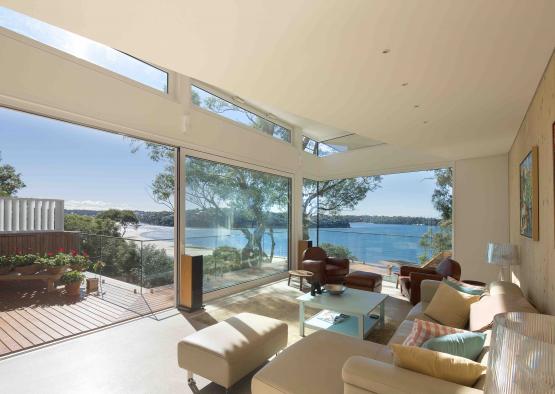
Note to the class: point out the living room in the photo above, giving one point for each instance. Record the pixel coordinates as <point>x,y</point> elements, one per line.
<point>376,89</point>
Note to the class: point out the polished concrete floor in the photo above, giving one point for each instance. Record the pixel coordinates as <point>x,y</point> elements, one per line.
<point>139,356</point>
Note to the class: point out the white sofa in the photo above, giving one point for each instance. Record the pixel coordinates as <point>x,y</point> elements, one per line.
<point>325,362</point>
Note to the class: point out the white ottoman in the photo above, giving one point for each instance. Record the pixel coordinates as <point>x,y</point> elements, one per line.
<point>229,350</point>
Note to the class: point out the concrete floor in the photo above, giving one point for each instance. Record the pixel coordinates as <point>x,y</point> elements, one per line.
<point>135,357</point>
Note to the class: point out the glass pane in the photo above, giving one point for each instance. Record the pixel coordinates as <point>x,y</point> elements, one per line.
<point>238,220</point>
<point>381,221</point>
<point>85,49</point>
<point>215,104</point>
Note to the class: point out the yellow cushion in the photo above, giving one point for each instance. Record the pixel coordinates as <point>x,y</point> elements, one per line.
<point>450,307</point>
<point>439,365</point>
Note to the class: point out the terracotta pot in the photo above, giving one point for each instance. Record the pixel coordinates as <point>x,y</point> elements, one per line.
<point>56,270</point>
<point>92,285</point>
<point>5,270</point>
<point>28,269</point>
<point>73,289</point>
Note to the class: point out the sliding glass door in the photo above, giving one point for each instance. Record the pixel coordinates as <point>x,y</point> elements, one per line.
<point>238,219</point>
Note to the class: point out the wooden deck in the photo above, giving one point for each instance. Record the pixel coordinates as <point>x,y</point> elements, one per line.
<point>33,317</point>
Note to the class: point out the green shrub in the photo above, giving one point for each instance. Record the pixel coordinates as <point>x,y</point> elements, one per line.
<point>21,260</point>
<point>72,277</point>
<point>338,251</point>
<point>6,261</point>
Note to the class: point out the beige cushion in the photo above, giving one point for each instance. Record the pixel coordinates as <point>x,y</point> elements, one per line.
<point>313,364</point>
<point>450,307</point>
<point>440,365</point>
<point>229,350</point>
<point>483,311</point>
<point>401,333</point>
<point>417,312</point>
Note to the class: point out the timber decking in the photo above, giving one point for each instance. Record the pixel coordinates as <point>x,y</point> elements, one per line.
<point>33,317</point>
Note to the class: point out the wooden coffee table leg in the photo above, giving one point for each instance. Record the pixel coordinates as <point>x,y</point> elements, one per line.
<point>301,283</point>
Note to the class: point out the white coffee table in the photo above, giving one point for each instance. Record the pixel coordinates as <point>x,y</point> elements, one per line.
<point>357,304</point>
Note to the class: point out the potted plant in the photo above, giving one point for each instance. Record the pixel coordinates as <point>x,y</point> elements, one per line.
<point>79,262</point>
<point>26,264</point>
<point>6,264</point>
<point>72,281</point>
<point>92,283</point>
<point>55,264</point>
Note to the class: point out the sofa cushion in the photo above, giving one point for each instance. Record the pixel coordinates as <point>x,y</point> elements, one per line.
<point>463,344</point>
<point>423,330</point>
<point>440,365</point>
<point>417,312</point>
<point>450,307</point>
<point>313,364</point>
<point>483,311</point>
<point>402,332</point>
<point>464,287</point>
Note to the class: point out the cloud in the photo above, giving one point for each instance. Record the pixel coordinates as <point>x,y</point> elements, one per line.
<point>94,205</point>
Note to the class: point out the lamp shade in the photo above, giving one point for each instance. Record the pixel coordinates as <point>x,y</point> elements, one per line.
<point>522,355</point>
<point>503,254</point>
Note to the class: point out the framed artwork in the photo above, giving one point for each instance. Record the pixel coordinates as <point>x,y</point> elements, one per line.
<point>529,203</point>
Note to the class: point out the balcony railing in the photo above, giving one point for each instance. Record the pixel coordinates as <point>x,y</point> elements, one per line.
<point>230,258</point>
<point>31,214</point>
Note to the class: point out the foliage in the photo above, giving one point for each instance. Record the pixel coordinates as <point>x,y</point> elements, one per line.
<point>338,251</point>
<point>160,218</point>
<point>6,261</point>
<point>224,259</point>
<point>10,181</point>
<point>72,277</point>
<point>91,225</point>
<point>442,198</point>
<point>21,260</point>
<point>124,217</point>
<point>379,219</point>
<point>57,260</point>
<point>157,266</point>
<point>332,196</point>
<point>162,187</point>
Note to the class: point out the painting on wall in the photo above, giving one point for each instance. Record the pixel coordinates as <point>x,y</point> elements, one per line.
<point>529,215</point>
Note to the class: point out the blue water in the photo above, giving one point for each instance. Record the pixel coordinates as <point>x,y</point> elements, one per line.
<point>368,242</point>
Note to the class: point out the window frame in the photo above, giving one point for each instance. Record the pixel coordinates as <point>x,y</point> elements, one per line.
<point>245,106</point>
<point>169,94</point>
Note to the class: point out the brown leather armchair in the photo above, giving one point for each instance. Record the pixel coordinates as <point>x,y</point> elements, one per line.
<point>411,277</point>
<point>326,269</point>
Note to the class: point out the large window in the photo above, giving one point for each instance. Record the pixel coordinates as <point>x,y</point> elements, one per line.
<point>213,103</point>
<point>118,198</point>
<point>85,49</point>
<point>238,219</point>
<point>383,221</point>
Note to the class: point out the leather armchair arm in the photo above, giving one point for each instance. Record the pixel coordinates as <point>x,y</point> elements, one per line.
<point>406,270</point>
<point>317,267</point>
<point>343,263</point>
<point>416,279</point>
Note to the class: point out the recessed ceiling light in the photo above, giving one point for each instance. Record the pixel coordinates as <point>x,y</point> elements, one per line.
<point>386,51</point>
<point>416,106</point>
<point>425,121</point>
<point>404,84</point>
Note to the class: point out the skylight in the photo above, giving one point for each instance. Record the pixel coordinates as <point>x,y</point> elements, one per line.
<point>83,48</point>
<point>220,106</point>
<point>337,145</point>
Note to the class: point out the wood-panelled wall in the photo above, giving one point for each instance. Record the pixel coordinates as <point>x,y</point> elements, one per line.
<point>38,242</point>
<point>536,272</point>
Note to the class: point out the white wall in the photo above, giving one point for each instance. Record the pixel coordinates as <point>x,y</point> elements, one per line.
<point>481,213</point>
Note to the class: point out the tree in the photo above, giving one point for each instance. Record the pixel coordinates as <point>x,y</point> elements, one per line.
<point>332,196</point>
<point>226,189</point>
<point>91,225</point>
<point>338,251</point>
<point>10,180</point>
<point>162,188</point>
<point>442,199</point>
<point>125,218</point>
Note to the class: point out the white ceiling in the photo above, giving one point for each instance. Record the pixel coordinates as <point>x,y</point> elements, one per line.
<point>472,66</point>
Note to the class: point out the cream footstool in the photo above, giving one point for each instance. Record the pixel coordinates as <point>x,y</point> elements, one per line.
<point>229,350</point>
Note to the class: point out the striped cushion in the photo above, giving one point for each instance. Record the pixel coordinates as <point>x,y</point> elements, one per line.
<point>424,330</point>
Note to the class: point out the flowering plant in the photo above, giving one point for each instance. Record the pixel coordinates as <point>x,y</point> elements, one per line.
<point>6,261</point>
<point>21,260</point>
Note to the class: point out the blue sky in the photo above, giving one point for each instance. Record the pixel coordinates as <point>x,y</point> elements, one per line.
<point>92,169</point>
